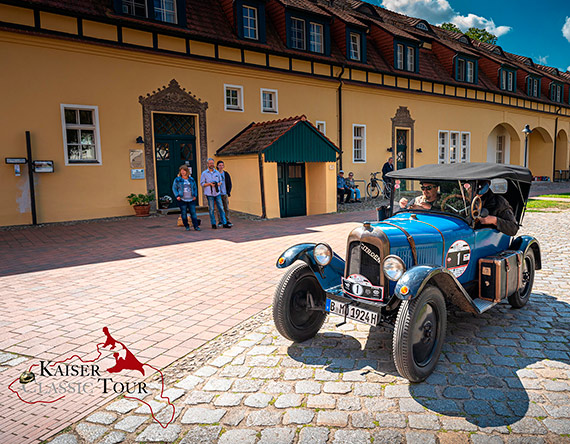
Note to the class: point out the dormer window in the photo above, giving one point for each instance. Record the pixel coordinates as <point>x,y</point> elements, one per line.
<point>306,33</point>
<point>528,62</point>
<point>533,86</point>
<point>297,33</point>
<point>316,38</point>
<point>556,92</point>
<point>354,51</point>
<point>250,29</point>
<point>422,26</point>
<point>169,11</point>
<point>497,50</point>
<point>406,56</point>
<point>464,39</point>
<point>465,69</point>
<point>508,79</point>
<point>250,19</point>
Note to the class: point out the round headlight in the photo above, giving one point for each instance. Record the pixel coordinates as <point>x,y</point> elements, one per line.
<point>393,267</point>
<point>322,254</point>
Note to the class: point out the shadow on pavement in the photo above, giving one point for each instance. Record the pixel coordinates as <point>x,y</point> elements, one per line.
<point>486,368</point>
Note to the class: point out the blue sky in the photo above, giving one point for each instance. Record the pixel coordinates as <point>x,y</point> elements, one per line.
<point>540,30</point>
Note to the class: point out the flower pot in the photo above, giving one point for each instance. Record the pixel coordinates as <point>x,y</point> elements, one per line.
<point>142,210</point>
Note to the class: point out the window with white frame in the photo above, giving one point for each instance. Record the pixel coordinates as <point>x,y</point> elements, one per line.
<point>400,56</point>
<point>470,71</point>
<point>165,10</point>
<point>81,140</point>
<point>500,150</point>
<point>135,7</point>
<point>321,126</point>
<point>355,52</point>
<point>269,101</point>
<point>297,33</point>
<point>250,22</point>
<point>316,37</point>
<point>359,143</point>
<point>411,58</point>
<point>453,146</point>
<point>233,98</point>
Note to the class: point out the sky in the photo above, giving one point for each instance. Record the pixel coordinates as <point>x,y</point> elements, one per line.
<point>540,30</point>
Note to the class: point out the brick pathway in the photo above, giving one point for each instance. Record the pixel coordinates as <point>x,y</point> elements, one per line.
<point>162,290</point>
<point>504,376</point>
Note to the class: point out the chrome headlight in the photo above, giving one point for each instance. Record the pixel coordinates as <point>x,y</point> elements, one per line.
<point>393,267</point>
<point>322,254</point>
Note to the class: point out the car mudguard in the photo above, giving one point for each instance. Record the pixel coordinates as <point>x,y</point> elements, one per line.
<point>416,278</point>
<point>328,276</point>
<point>523,243</point>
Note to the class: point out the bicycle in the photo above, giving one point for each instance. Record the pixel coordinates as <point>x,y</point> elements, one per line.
<point>373,189</point>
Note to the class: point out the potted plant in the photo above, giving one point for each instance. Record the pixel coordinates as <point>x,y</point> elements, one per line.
<point>164,201</point>
<point>141,202</point>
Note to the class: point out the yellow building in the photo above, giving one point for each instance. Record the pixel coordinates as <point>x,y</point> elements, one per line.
<point>119,93</point>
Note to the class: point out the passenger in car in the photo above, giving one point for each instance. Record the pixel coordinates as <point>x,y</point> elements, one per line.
<point>428,200</point>
<point>499,213</point>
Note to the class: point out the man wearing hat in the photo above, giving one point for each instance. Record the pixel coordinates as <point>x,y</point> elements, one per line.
<point>497,211</point>
<point>428,200</point>
<point>341,189</point>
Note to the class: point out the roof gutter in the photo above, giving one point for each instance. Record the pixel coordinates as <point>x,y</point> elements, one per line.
<point>339,78</point>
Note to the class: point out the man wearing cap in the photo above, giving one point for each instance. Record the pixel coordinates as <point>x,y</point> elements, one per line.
<point>500,213</point>
<point>341,189</point>
<point>428,200</point>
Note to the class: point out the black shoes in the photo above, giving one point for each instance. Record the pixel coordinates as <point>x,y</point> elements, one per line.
<point>214,227</point>
<point>227,225</point>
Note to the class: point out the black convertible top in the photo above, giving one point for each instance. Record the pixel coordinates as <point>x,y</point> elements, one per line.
<point>464,171</point>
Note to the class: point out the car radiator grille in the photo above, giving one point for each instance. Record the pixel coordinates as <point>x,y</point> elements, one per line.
<point>362,263</point>
<point>426,255</point>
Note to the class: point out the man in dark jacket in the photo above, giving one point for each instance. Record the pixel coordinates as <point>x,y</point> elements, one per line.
<point>225,190</point>
<point>388,167</point>
<point>500,215</point>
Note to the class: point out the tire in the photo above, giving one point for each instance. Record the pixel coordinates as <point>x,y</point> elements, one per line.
<point>291,318</point>
<point>415,349</point>
<point>373,191</point>
<point>521,297</point>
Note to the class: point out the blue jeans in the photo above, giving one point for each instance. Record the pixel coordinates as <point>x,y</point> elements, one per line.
<point>218,201</point>
<point>186,207</point>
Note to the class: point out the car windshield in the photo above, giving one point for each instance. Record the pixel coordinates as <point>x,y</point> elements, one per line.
<point>451,197</point>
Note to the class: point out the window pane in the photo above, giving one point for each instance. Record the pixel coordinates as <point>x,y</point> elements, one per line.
<point>297,33</point>
<point>411,59</point>
<point>460,69</point>
<point>400,56</point>
<point>72,136</point>
<point>316,37</point>
<point>73,152</point>
<point>86,117</point>
<point>250,22</point>
<point>442,147</point>
<point>354,46</point>
<point>87,137</point>
<point>470,69</point>
<point>87,152</point>
<point>70,116</point>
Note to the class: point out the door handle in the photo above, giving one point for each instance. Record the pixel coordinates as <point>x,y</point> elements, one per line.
<point>288,188</point>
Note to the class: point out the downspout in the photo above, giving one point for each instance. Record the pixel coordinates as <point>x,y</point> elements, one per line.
<point>262,185</point>
<point>555,137</point>
<point>339,78</point>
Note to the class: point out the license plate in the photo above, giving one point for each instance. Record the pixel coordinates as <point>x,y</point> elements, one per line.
<point>352,312</point>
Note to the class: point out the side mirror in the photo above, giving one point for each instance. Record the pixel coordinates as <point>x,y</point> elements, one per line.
<point>499,186</point>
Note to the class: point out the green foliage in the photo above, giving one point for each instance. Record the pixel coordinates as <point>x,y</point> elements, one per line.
<point>141,199</point>
<point>479,34</point>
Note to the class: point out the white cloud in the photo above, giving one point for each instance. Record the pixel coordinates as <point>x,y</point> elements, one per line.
<point>440,11</point>
<point>464,22</point>
<point>568,69</point>
<point>566,29</point>
<point>542,60</point>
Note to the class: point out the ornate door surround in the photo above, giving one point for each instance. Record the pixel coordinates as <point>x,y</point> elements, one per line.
<point>403,120</point>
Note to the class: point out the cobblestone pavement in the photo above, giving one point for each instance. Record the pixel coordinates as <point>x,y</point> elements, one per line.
<point>504,377</point>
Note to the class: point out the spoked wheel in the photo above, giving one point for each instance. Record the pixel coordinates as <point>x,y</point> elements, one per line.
<point>291,315</point>
<point>373,190</point>
<point>521,297</point>
<point>419,334</point>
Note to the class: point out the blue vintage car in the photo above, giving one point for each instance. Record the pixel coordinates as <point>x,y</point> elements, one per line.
<point>421,253</point>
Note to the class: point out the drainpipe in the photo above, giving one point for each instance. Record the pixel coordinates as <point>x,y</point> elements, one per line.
<point>262,185</point>
<point>339,78</point>
<point>555,137</point>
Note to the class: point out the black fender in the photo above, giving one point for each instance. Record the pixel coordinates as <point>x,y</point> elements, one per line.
<point>328,276</point>
<point>414,280</point>
<point>523,243</point>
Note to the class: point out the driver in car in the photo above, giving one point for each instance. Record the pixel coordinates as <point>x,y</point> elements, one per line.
<point>499,213</point>
<point>428,200</point>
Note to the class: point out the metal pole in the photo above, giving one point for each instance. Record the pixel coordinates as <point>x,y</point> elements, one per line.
<point>31,178</point>
<point>525,150</point>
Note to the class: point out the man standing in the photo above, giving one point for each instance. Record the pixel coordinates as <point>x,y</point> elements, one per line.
<point>388,166</point>
<point>225,191</point>
<point>211,181</point>
<point>341,189</point>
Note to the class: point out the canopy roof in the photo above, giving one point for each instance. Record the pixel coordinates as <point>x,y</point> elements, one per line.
<point>464,171</point>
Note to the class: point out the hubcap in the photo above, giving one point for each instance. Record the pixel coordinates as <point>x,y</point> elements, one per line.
<point>424,335</point>
<point>300,315</point>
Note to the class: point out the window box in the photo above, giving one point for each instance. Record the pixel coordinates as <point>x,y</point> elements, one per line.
<point>81,140</point>
<point>233,98</point>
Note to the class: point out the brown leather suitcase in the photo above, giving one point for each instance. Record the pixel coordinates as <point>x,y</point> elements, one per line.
<point>500,276</point>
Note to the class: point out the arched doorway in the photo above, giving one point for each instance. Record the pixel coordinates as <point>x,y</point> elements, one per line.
<point>503,145</point>
<point>540,152</point>
<point>562,156</point>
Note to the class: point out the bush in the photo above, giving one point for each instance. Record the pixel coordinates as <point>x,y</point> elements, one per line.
<point>141,199</point>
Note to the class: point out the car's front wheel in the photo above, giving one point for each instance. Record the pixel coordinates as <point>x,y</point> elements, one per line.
<point>521,297</point>
<point>292,313</point>
<point>419,334</point>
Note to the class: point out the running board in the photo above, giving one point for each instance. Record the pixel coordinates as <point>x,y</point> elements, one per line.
<point>482,305</point>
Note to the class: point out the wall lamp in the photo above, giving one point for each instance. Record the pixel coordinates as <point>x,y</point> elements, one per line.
<point>419,150</point>
<point>140,139</point>
<point>389,149</point>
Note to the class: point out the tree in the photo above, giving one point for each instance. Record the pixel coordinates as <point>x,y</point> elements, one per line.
<point>479,34</point>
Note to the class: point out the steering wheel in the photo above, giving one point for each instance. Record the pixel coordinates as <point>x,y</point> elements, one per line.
<point>476,207</point>
<point>444,203</point>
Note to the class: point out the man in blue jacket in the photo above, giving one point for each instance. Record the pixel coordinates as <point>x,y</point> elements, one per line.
<point>185,192</point>
<point>341,189</point>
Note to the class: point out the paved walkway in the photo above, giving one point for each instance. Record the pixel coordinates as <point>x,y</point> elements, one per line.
<point>504,376</point>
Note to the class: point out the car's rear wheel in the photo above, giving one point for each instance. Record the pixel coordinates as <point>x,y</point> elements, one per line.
<point>521,297</point>
<point>291,304</point>
<point>419,334</point>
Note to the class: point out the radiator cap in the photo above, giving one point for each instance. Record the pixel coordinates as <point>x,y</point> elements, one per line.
<point>367,225</point>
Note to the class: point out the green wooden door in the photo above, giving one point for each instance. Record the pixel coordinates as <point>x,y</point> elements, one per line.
<point>292,190</point>
<point>174,145</point>
<point>401,153</point>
